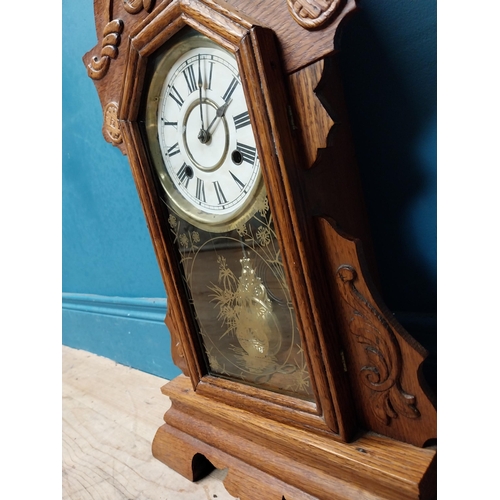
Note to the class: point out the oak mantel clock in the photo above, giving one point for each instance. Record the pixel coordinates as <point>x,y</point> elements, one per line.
<point>295,377</point>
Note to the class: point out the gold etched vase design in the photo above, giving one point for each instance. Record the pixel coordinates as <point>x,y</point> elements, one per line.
<point>257,330</point>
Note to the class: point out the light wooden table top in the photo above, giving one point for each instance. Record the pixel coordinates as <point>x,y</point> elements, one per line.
<point>110,416</point>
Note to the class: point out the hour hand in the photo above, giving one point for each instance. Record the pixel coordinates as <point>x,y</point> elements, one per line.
<point>219,114</point>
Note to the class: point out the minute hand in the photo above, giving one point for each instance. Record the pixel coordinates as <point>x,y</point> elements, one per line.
<point>219,113</point>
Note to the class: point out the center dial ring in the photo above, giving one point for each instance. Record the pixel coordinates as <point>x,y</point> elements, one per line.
<point>209,155</point>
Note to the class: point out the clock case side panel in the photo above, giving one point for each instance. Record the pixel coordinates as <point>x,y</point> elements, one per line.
<point>383,362</point>
<point>249,43</point>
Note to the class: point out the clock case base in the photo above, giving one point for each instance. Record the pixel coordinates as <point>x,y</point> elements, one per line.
<point>273,461</point>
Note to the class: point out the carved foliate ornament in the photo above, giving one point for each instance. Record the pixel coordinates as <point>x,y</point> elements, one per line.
<point>382,371</point>
<point>135,6</point>
<point>312,14</point>
<point>99,65</point>
<point>111,125</point>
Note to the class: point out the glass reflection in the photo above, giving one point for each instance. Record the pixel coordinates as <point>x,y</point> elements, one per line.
<point>242,303</point>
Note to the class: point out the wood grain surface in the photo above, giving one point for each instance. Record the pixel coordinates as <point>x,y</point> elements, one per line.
<point>272,461</point>
<point>110,415</point>
<point>364,367</point>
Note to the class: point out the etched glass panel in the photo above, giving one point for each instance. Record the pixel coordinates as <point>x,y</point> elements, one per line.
<point>242,303</point>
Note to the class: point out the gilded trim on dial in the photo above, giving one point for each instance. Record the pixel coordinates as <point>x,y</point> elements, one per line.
<point>203,146</point>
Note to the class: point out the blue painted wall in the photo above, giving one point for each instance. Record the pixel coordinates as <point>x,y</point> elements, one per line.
<point>111,281</point>
<point>113,295</point>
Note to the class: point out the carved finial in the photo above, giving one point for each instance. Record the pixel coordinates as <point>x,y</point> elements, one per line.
<point>135,6</point>
<point>311,14</point>
<point>99,66</point>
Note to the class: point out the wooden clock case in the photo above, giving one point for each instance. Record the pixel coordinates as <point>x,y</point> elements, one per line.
<point>364,436</point>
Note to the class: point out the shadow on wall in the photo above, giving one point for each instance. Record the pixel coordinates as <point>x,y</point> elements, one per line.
<point>390,88</point>
<point>394,129</point>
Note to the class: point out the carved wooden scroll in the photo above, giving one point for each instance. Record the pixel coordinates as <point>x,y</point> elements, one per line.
<point>135,6</point>
<point>313,14</point>
<point>381,372</point>
<point>99,65</point>
<point>114,20</point>
<point>383,361</point>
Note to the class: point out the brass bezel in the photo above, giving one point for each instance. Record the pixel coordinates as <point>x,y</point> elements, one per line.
<point>184,41</point>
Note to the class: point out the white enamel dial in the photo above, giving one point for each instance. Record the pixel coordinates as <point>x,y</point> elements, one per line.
<point>205,136</point>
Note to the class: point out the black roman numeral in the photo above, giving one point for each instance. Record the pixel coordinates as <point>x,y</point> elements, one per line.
<point>210,73</point>
<point>172,124</point>
<point>190,79</point>
<point>247,152</point>
<point>237,180</point>
<point>220,194</point>
<point>200,190</point>
<point>242,120</point>
<point>173,150</point>
<point>185,174</point>
<point>230,89</point>
<point>174,94</point>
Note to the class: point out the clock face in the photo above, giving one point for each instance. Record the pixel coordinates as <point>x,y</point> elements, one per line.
<point>219,221</point>
<point>210,166</point>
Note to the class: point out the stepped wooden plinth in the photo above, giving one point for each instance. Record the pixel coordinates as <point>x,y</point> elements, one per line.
<point>272,461</point>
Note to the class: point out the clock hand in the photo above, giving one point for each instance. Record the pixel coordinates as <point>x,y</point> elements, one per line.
<point>219,114</point>
<point>203,136</point>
